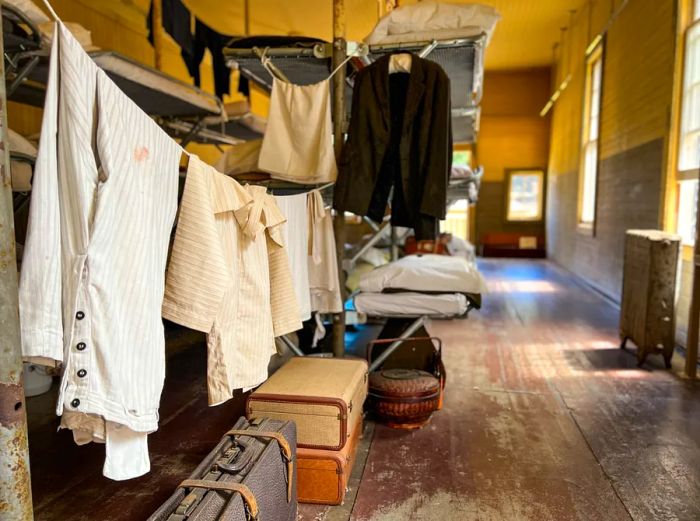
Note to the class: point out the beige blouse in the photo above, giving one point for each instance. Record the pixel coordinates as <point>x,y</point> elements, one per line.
<point>229,276</point>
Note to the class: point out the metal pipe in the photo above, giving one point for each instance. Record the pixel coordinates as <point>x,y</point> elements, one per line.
<point>371,242</point>
<point>418,323</point>
<point>22,75</point>
<point>15,485</point>
<point>425,51</point>
<point>271,67</point>
<point>292,346</point>
<point>339,55</point>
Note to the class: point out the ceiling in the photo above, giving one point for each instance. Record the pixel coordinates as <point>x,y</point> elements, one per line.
<point>523,38</point>
<point>527,31</point>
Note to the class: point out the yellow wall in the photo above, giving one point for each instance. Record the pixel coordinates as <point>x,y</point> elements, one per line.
<point>512,135</point>
<point>638,70</point>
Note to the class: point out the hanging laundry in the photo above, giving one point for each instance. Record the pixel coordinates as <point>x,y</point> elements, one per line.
<point>229,277</point>
<point>399,137</point>
<point>323,263</point>
<point>104,198</point>
<point>298,141</point>
<point>177,22</point>
<point>295,234</point>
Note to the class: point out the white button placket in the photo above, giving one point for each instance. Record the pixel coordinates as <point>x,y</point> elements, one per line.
<point>78,368</point>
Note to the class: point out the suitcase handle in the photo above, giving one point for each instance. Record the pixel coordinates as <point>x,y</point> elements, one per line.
<point>251,504</point>
<point>239,462</point>
<point>284,446</point>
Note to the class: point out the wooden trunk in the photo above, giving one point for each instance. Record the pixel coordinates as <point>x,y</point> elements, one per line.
<point>647,315</point>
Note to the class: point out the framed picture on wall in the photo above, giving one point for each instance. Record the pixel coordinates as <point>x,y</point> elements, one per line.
<point>525,189</point>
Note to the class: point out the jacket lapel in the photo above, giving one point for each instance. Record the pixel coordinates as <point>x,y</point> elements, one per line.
<point>416,88</point>
<point>380,84</point>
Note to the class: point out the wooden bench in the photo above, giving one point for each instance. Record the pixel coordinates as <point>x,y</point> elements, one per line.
<point>512,245</point>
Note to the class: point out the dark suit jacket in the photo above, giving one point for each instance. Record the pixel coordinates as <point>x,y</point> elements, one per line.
<point>425,150</point>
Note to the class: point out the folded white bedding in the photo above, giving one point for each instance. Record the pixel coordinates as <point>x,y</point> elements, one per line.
<point>428,21</point>
<point>426,273</point>
<point>411,304</point>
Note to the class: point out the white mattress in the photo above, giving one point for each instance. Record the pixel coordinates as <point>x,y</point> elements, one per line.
<point>428,21</point>
<point>156,80</point>
<point>411,304</point>
<point>426,273</point>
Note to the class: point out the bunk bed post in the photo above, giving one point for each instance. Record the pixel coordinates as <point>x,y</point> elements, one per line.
<point>15,486</point>
<point>691,355</point>
<point>339,52</point>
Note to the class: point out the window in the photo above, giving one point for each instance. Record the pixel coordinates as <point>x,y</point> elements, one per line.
<point>591,127</point>
<point>687,208</point>
<point>525,196</point>
<point>462,158</point>
<point>689,139</point>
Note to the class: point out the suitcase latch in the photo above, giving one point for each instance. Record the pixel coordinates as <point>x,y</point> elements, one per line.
<point>185,505</point>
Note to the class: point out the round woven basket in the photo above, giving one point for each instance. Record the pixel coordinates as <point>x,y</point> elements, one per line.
<point>404,398</point>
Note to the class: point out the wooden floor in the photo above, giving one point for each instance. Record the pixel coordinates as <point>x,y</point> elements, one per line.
<point>544,419</point>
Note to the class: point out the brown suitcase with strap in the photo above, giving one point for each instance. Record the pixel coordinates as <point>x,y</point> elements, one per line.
<point>250,475</point>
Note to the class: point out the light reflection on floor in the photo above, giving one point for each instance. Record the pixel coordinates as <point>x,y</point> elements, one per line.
<point>522,286</point>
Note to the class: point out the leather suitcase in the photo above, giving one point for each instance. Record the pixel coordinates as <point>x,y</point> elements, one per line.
<point>250,474</point>
<point>322,475</point>
<point>323,396</point>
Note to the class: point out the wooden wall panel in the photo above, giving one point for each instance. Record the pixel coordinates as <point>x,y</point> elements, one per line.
<point>636,100</point>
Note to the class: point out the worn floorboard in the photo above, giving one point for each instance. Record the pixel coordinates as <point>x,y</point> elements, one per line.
<point>545,418</point>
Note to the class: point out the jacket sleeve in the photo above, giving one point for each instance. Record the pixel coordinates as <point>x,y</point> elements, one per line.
<point>40,288</point>
<point>197,274</point>
<point>439,152</point>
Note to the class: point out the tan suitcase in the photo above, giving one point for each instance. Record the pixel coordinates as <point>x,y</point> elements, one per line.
<point>322,475</point>
<point>323,396</point>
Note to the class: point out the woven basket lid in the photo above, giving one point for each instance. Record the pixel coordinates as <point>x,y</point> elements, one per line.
<point>403,382</point>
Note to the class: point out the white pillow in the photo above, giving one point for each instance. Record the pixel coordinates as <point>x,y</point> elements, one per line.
<point>434,20</point>
<point>426,273</point>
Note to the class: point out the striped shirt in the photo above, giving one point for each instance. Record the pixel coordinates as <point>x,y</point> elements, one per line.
<point>229,276</point>
<point>103,203</point>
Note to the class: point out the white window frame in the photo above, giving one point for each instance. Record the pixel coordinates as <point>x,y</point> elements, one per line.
<point>540,173</point>
<point>590,142</point>
<point>689,137</point>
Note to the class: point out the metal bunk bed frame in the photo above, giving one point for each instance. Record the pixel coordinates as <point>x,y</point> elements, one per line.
<point>258,64</point>
<point>26,60</point>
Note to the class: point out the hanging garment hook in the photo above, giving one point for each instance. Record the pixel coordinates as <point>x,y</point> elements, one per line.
<point>269,66</point>
<point>342,64</point>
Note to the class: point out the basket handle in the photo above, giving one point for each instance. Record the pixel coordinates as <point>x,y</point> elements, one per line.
<point>382,341</point>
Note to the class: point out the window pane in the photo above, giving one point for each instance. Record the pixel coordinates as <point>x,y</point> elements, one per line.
<point>689,154</point>
<point>525,196</point>
<point>687,208</point>
<point>590,170</point>
<point>462,157</point>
